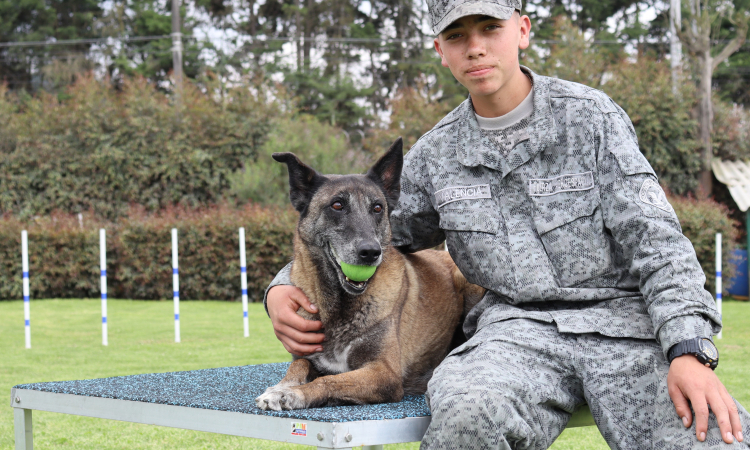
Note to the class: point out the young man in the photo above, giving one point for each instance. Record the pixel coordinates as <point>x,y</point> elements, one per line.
<point>594,295</point>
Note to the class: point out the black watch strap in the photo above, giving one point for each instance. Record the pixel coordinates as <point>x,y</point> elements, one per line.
<point>708,356</point>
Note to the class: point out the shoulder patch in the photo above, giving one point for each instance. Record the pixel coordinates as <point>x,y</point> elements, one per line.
<point>652,194</point>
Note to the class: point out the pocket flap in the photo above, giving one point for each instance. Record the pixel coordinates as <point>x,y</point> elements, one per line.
<point>483,220</point>
<point>557,210</point>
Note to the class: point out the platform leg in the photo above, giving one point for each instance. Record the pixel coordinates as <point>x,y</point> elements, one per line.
<point>24,435</point>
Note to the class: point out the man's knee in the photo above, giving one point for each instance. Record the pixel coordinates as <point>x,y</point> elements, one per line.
<point>479,418</point>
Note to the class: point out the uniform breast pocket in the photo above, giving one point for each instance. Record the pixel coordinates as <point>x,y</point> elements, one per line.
<point>471,235</point>
<point>571,228</point>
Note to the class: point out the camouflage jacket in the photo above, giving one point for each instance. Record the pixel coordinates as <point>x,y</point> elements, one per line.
<point>564,223</point>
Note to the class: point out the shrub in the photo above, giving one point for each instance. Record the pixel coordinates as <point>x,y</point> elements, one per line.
<point>101,150</point>
<point>667,133</point>
<point>64,257</point>
<point>700,221</point>
<point>319,145</point>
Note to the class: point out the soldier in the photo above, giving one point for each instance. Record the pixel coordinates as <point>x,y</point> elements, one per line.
<point>594,295</point>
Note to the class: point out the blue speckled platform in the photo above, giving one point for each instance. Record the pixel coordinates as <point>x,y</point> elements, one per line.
<point>224,389</point>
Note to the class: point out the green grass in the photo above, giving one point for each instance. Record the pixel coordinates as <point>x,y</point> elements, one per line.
<point>66,345</point>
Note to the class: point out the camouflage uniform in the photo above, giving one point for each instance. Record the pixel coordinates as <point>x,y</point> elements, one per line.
<point>590,280</point>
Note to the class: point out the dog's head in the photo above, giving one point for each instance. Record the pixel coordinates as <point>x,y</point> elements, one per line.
<point>344,218</point>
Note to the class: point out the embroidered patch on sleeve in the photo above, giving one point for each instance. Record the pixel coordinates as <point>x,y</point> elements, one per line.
<point>456,193</point>
<point>540,187</point>
<point>652,194</point>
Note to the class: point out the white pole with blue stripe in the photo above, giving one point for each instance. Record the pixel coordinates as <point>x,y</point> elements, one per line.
<point>103,266</point>
<point>718,276</point>
<point>243,280</point>
<point>175,286</point>
<point>26,298</point>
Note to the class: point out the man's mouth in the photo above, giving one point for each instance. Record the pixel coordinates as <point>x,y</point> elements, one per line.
<point>479,71</point>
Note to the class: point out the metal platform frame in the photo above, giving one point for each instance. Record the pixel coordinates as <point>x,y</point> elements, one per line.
<point>373,434</point>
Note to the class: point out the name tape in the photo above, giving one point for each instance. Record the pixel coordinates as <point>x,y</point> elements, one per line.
<point>456,193</point>
<point>540,187</point>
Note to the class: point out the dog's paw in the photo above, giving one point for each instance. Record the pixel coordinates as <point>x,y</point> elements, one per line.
<point>277,398</point>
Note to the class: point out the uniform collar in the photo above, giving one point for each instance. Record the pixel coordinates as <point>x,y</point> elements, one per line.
<point>475,148</point>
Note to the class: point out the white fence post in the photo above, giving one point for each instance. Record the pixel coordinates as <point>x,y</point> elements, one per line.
<point>26,298</point>
<point>718,276</point>
<point>103,267</point>
<point>243,279</point>
<point>175,286</point>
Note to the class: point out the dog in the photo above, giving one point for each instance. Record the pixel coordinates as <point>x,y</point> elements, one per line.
<point>384,335</point>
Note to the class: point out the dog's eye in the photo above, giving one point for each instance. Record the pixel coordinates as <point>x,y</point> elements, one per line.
<point>377,208</point>
<point>337,206</point>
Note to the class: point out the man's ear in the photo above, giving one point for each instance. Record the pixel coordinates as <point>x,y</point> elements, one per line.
<point>386,173</point>
<point>440,52</point>
<point>303,180</point>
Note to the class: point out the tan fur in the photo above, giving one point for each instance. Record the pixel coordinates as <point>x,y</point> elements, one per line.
<point>421,296</point>
<point>385,336</point>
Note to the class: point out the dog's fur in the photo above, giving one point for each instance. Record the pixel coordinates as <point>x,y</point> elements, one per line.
<point>384,337</point>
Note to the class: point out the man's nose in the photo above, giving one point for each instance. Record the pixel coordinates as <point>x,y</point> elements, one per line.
<point>475,46</point>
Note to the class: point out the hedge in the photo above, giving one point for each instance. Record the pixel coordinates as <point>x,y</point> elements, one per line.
<point>700,221</point>
<point>64,257</point>
<point>101,149</point>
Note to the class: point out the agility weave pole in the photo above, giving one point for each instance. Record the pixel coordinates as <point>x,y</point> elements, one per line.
<point>103,267</point>
<point>243,282</point>
<point>26,298</point>
<point>175,286</point>
<point>222,401</point>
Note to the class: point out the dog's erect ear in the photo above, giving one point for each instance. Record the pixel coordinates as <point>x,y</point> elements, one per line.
<point>303,180</point>
<point>387,173</point>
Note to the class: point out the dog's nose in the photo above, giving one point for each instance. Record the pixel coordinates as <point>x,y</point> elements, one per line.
<point>368,251</point>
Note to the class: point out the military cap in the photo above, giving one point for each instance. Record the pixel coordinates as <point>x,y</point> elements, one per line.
<point>445,12</point>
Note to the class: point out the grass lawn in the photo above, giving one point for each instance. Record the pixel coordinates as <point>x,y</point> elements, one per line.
<point>66,345</point>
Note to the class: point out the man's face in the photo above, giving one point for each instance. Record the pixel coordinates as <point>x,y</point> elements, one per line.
<point>482,52</point>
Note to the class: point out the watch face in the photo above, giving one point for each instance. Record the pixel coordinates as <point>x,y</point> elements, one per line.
<point>709,349</point>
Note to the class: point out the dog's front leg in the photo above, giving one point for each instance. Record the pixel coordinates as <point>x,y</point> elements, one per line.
<point>300,372</point>
<point>377,382</point>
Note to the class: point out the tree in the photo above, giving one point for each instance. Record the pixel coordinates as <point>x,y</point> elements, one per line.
<point>698,32</point>
<point>148,58</point>
<point>39,20</point>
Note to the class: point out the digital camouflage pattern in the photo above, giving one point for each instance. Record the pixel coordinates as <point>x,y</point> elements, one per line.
<point>515,384</point>
<point>567,236</point>
<point>565,224</point>
<point>445,12</point>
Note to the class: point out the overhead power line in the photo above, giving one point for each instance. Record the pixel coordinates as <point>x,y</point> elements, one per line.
<point>323,39</point>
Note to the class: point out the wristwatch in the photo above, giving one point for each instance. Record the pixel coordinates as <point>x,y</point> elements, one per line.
<point>702,348</point>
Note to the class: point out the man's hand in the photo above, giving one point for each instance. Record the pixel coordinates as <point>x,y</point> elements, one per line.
<point>689,380</point>
<point>300,337</point>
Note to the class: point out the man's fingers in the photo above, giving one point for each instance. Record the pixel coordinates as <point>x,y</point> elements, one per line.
<point>734,415</point>
<point>681,406</point>
<point>700,406</point>
<point>720,410</point>
<point>294,320</point>
<point>299,344</point>
<point>304,302</point>
<point>299,336</point>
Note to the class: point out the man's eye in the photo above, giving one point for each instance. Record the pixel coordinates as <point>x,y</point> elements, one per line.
<point>377,208</point>
<point>338,206</point>
<point>453,36</point>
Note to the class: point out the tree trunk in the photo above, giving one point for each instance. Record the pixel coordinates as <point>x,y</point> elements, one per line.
<point>706,121</point>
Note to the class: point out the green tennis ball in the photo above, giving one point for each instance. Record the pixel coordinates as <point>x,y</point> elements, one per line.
<point>357,273</point>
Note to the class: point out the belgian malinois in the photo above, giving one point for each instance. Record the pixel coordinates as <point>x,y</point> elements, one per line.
<point>386,334</point>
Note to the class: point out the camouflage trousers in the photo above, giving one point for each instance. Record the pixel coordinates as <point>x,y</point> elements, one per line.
<point>515,383</point>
